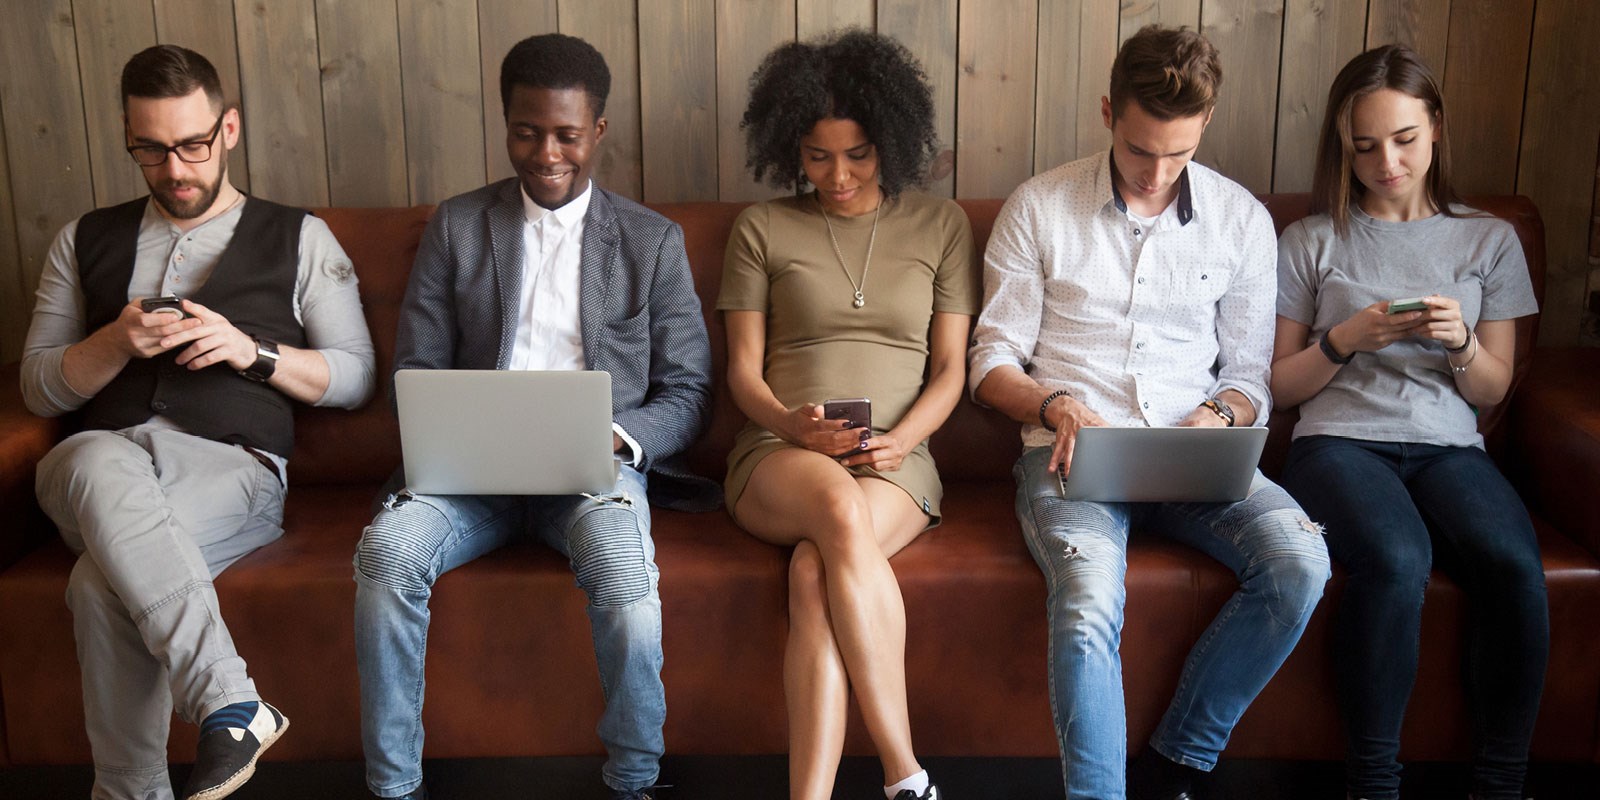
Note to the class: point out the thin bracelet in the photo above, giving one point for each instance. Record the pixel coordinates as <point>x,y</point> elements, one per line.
<point>1046,404</point>
<point>1472,340</point>
<point>1332,354</point>
<point>1463,347</point>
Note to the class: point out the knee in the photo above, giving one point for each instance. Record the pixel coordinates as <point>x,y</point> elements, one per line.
<point>609,557</point>
<point>808,594</point>
<point>87,587</point>
<point>1295,575</point>
<point>844,524</point>
<point>70,466</point>
<point>397,550</point>
<point>1086,606</point>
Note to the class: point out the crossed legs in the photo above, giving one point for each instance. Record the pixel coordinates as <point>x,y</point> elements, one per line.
<point>847,626</point>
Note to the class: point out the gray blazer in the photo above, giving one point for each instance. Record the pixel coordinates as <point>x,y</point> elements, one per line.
<point>637,308</point>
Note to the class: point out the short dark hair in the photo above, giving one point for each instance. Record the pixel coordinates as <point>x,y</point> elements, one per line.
<point>167,70</point>
<point>556,61</point>
<point>864,77</point>
<point>1170,72</point>
<point>1333,182</point>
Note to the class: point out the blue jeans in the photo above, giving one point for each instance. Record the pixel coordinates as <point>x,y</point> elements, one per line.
<point>1389,507</point>
<point>1083,549</point>
<point>417,538</point>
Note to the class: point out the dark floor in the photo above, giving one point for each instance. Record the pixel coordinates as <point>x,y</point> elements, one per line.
<point>725,778</point>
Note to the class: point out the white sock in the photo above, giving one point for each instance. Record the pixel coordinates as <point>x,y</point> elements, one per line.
<point>917,783</point>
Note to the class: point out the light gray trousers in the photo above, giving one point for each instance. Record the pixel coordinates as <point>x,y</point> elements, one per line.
<point>154,515</point>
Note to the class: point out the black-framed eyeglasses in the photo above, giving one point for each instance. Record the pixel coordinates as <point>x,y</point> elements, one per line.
<point>192,152</point>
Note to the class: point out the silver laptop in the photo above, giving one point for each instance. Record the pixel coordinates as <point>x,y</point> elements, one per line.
<point>1146,465</point>
<point>505,431</point>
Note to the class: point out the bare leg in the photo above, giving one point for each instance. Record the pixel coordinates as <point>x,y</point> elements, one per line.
<point>853,525</point>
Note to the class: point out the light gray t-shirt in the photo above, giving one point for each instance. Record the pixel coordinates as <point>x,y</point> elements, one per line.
<point>1406,391</point>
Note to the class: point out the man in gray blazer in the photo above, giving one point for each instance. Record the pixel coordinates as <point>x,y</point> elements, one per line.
<point>543,271</point>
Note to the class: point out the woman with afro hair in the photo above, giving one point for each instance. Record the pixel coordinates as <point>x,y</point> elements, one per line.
<point>850,288</point>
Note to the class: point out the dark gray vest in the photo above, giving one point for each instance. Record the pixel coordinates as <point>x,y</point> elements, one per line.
<point>253,286</point>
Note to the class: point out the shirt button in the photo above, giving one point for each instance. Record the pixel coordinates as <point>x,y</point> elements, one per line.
<point>1137,232</point>
<point>1141,281</point>
<point>1138,346</point>
<point>159,406</point>
<point>179,257</point>
<point>1146,405</point>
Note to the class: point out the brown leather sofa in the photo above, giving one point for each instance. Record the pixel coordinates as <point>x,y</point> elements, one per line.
<point>509,640</point>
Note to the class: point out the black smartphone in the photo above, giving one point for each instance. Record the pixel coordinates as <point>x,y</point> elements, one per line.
<point>166,304</point>
<point>858,410</point>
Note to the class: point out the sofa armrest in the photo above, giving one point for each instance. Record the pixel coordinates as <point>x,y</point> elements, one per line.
<point>1554,450</point>
<point>24,439</point>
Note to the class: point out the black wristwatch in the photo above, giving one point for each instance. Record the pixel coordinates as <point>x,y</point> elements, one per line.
<point>1221,409</point>
<point>266,361</point>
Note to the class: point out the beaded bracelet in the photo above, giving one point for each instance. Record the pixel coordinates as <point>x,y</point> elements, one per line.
<point>1472,339</point>
<point>1046,404</point>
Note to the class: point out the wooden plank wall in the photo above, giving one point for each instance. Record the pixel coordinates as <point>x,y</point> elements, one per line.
<point>394,102</point>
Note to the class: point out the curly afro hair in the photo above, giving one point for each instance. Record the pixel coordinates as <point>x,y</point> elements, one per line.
<point>860,76</point>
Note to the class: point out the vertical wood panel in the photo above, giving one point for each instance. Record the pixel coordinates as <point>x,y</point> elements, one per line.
<point>1097,50</point>
<point>1076,47</point>
<point>994,98</point>
<point>928,29</point>
<point>746,31</point>
<point>1483,91</point>
<point>1238,143</point>
<point>678,94</point>
<point>109,32</point>
<point>501,24</point>
<point>359,45</point>
<point>47,148</point>
<point>1558,165</point>
<point>816,17</point>
<point>280,79</point>
<point>443,84</point>
<point>612,26</point>
<point>1136,14</point>
<point>1422,25</point>
<point>206,27</point>
<point>1319,37</point>
<point>15,303</point>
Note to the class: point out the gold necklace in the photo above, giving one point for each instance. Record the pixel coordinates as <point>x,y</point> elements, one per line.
<point>861,299</point>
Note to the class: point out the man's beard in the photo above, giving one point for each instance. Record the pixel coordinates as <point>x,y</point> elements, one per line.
<point>177,209</point>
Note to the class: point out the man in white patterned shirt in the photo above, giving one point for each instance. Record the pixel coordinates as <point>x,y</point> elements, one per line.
<point>1136,288</point>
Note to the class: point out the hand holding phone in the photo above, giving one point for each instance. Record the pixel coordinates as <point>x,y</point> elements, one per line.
<point>856,410</point>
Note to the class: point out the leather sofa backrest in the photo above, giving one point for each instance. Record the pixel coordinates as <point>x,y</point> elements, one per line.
<point>363,446</point>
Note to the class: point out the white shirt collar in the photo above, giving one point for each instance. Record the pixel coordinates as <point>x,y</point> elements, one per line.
<point>564,216</point>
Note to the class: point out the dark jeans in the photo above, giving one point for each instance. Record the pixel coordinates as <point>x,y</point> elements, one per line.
<point>1386,507</point>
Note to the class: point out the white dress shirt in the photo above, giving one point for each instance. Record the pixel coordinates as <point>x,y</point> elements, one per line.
<point>549,327</point>
<point>1139,322</point>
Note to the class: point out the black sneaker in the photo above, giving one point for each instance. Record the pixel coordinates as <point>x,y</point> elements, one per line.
<point>931,793</point>
<point>226,757</point>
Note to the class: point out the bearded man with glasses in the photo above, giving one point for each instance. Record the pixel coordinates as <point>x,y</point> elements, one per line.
<point>183,325</point>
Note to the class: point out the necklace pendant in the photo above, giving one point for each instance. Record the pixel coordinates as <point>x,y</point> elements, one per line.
<point>859,301</point>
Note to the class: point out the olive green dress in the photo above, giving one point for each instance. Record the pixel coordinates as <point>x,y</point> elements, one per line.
<point>819,346</point>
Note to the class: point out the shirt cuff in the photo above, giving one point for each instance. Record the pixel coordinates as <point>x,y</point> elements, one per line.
<point>1260,401</point>
<point>981,368</point>
<point>635,452</point>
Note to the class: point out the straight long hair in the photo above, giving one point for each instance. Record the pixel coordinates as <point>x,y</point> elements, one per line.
<point>1334,183</point>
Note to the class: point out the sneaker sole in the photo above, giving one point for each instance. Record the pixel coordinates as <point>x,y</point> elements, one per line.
<point>243,776</point>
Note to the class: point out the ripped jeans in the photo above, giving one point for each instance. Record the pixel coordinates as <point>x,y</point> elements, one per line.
<point>1082,547</point>
<point>417,538</point>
